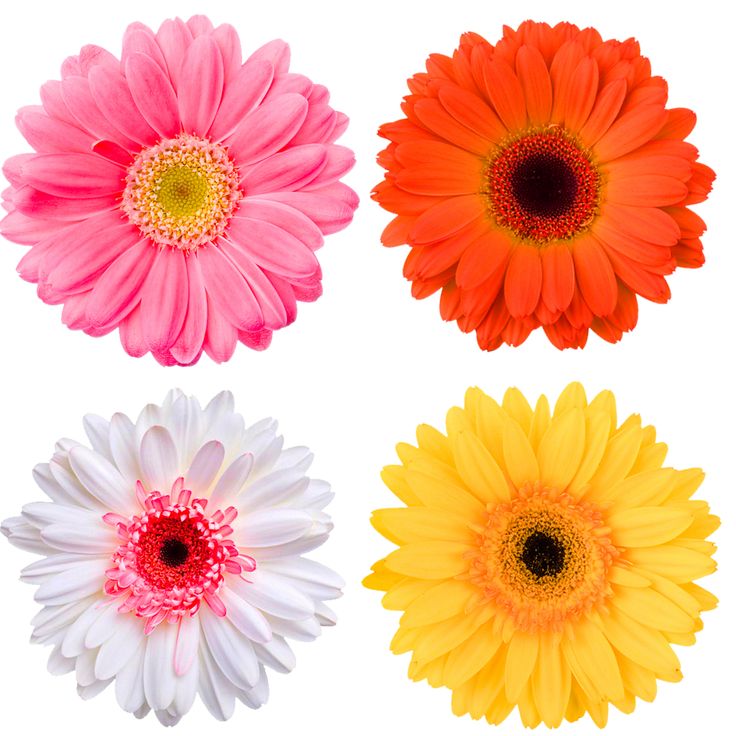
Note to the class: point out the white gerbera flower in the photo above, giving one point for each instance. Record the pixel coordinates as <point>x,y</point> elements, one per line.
<point>173,557</point>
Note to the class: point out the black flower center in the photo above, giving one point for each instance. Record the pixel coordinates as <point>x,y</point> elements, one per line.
<point>544,185</point>
<point>173,552</point>
<point>543,554</point>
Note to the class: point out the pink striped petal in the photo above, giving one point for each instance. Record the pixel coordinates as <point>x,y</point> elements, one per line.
<point>73,175</point>
<point>34,203</point>
<point>277,52</point>
<point>118,290</point>
<point>268,129</point>
<point>272,308</point>
<point>272,248</point>
<point>317,126</point>
<point>18,228</point>
<point>228,290</point>
<point>228,41</point>
<point>287,170</point>
<point>221,337</point>
<point>287,218</point>
<point>112,95</point>
<point>188,345</point>
<point>200,99</point>
<point>242,94</point>
<point>164,299</point>
<point>47,135</point>
<point>131,334</point>
<point>153,94</point>
<point>173,38</point>
<point>139,38</point>
<point>330,208</point>
<point>339,161</point>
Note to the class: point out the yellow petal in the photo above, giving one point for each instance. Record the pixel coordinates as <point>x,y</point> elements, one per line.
<point>489,425</point>
<point>421,524</point>
<point>488,683</point>
<point>645,489</point>
<point>576,706</point>
<point>706,599</point>
<point>404,640</point>
<point>618,459</point>
<point>436,493</point>
<point>399,596</point>
<point>461,698</point>
<point>478,469</point>
<point>471,656</point>
<point>597,659</point>
<point>431,440</point>
<point>528,712</point>
<point>551,681</point>
<point>650,458</point>
<point>647,526</point>
<point>561,449</point>
<point>499,709</point>
<point>520,661</point>
<point>679,564</point>
<point>597,431</point>
<point>517,407</point>
<point>429,560</point>
<point>382,578</point>
<point>643,645</point>
<point>458,420</point>
<point>394,476</point>
<point>637,679</point>
<point>521,462</point>
<point>540,422</point>
<point>686,483</point>
<point>651,608</point>
<point>605,401</point>
<point>440,638</point>
<point>677,595</point>
<point>572,397</point>
<point>627,576</point>
<point>440,602</point>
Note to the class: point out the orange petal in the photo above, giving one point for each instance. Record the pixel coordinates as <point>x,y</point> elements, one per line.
<point>638,165</point>
<point>595,276</point>
<point>535,81</point>
<point>506,94</point>
<point>649,224</point>
<point>630,131</point>
<point>397,231</point>
<point>680,123</point>
<point>483,258</point>
<point>445,218</point>
<point>583,93</point>
<point>579,313</point>
<point>401,203</point>
<point>650,285</point>
<point>470,111</point>
<point>605,110</point>
<point>566,60</point>
<point>450,302</point>
<point>439,181</point>
<point>649,190</point>
<point>558,277</point>
<point>429,153</point>
<point>404,130</point>
<point>523,282</point>
<point>439,121</point>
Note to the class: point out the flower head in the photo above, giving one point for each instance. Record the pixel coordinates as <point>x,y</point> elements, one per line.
<point>542,182</point>
<point>545,561</point>
<point>178,194</point>
<point>172,557</point>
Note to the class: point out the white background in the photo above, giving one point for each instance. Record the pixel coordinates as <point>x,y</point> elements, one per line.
<point>366,363</point>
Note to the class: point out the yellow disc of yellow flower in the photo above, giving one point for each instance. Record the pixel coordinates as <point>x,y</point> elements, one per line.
<point>545,560</point>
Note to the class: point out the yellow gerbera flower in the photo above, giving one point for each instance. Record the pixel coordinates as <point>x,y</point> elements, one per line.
<point>545,561</point>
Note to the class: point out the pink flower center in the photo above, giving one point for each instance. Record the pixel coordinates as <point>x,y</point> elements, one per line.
<point>173,556</point>
<point>182,192</point>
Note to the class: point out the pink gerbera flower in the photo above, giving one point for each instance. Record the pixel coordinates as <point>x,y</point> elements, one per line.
<point>178,194</point>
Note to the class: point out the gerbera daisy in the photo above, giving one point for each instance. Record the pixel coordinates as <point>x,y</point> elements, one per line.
<point>542,182</point>
<point>544,562</point>
<point>178,194</point>
<point>172,557</point>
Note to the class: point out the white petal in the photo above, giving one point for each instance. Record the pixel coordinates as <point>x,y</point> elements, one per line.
<point>159,461</point>
<point>221,405</point>
<point>118,650</point>
<point>123,447</point>
<point>53,619</point>
<point>273,489</point>
<point>317,538</point>
<point>102,479</point>
<point>269,527</point>
<point>24,536</point>
<point>312,578</point>
<point>232,652</point>
<point>143,711</point>
<point>307,629</point>
<point>98,431</point>
<point>167,718</point>
<point>172,396</point>
<point>316,496</point>
<point>129,681</point>
<point>73,644</point>
<point>43,513</point>
<point>246,618</point>
<point>205,466</point>
<point>265,459</point>
<point>159,678</point>
<point>85,667</point>
<point>257,696</point>
<point>77,582</point>
<point>299,458</point>
<point>69,483</point>
<point>185,421</point>
<point>104,626</point>
<point>90,539</point>
<point>216,691</point>
<point>186,689</point>
<point>87,692</point>
<point>231,481</point>
<point>150,416</point>
<point>47,483</point>
<point>58,664</point>
<point>277,654</point>
<point>42,570</point>
<point>325,615</point>
<point>187,644</point>
<point>272,594</point>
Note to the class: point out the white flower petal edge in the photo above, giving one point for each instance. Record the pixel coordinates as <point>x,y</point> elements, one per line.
<point>172,557</point>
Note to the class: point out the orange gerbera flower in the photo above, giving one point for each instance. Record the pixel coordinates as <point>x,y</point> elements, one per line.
<point>542,182</point>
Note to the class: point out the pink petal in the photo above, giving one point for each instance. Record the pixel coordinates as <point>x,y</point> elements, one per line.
<point>111,93</point>
<point>53,102</point>
<point>319,95</point>
<point>285,217</point>
<point>81,104</point>
<point>290,169</point>
<point>272,248</point>
<point>73,313</point>
<point>286,294</point>
<point>173,38</point>
<point>188,346</point>
<point>70,67</point>
<point>118,290</point>
<point>18,228</point>
<point>131,334</point>
<point>330,208</point>
<point>341,125</point>
<point>164,299</point>
<point>243,93</point>
<point>228,290</point>
<point>228,41</point>
<point>73,175</point>
<point>38,204</point>
<point>199,25</point>
<point>92,55</point>
<point>221,337</point>
<point>268,129</point>
<point>277,52</point>
<point>113,152</point>
<point>139,38</point>
<point>47,135</point>
<point>308,290</point>
<point>153,94</point>
<point>317,126</point>
<point>28,268</point>
<point>286,84</point>
<point>274,312</point>
<point>199,100</point>
<point>256,340</point>
<point>339,161</point>
<point>96,253</point>
<point>13,168</point>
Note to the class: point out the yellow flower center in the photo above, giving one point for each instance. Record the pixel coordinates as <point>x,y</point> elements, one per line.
<point>543,558</point>
<point>182,192</point>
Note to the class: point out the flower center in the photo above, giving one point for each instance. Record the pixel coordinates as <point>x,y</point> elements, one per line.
<point>173,556</point>
<point>543,558</point>
<point>543,187</point>
<point>182,192</point>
